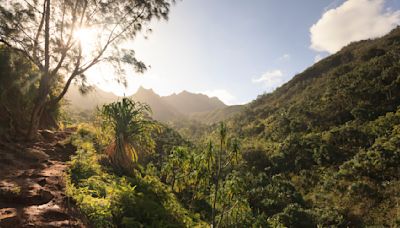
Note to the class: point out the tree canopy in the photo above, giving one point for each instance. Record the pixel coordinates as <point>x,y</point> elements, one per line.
<point>45,33</point>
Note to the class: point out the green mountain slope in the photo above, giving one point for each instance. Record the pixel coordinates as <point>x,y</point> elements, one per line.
<point>333,133</point>
<point>215,116</point>
<point>359,82</point>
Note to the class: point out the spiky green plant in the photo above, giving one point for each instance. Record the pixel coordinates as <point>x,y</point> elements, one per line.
<point>131,129</point>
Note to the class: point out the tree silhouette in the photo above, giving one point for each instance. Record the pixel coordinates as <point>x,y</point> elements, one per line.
<point>45,33</point>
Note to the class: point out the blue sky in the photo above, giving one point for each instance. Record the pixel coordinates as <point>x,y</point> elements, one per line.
<point>237,49</point>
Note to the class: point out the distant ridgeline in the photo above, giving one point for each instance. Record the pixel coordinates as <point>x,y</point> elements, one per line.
<point>183,106</point>
<point>333,132</point>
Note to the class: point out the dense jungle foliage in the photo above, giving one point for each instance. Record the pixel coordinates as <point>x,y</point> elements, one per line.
<point>323,150</point>
<point>19,80</point>
<point>332,132</point>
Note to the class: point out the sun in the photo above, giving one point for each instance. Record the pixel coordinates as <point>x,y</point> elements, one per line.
<point>88,38</point>
<point>102,74</point>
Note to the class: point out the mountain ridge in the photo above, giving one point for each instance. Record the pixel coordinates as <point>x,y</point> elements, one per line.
<point>177,106</point>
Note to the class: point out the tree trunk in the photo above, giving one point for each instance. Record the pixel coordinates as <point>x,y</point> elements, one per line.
<point>216,183</point>
<point>44,86</point>
<point>173,181</point>
<point>36,115</point>
<point>48,119</point>
<point>214,212</point>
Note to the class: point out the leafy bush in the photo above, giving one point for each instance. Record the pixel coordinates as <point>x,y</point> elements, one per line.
<point>131,132</point>
<point>292,216</point>
<point>109,200</point>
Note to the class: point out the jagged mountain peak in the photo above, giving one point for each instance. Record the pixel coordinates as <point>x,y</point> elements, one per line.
<point>176,106</point>
<point>147,92</point>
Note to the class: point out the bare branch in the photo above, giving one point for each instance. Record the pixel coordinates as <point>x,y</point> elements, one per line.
<point>47,37</point>
<point>33,7</point>
<point>69,45</point>
<point>110,40</point>
<point>62,23</point>
<point>70,79</point>
<point>36,42</point>
<point>95,10</point>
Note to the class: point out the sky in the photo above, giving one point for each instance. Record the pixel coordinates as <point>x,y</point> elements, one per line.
<point>236,49</point>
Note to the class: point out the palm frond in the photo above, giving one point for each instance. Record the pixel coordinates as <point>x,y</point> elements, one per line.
<point>131,127</point>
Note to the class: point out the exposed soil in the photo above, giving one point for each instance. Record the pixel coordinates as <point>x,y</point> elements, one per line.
<point>32,185</point>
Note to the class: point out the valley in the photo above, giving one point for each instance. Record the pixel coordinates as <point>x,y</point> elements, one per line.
<point>168,109</point>
<point>320,147</point>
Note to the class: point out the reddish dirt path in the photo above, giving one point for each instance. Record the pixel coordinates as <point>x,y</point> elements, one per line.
<point>32,185</point>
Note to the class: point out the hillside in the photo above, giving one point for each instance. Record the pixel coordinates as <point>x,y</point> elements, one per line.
<point>358,83</point>
<point>333,133</point>
<point>215,116</point>
<point>161,110</point>
<point>185,105</point>
<point>89,101</point>
<point>189,103</point>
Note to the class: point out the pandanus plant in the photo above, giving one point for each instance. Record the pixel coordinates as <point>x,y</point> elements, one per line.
<point>130,128</point>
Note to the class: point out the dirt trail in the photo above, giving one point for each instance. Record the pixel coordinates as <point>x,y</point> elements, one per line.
<point>32,186</point>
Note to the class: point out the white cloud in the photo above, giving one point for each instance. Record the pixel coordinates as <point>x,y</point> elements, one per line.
<point>221,94</point>
<point>271,79</point>
<point>285,57</point>
<point>352,21</point>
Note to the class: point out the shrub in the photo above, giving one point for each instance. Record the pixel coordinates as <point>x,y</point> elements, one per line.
<point>131,130</point>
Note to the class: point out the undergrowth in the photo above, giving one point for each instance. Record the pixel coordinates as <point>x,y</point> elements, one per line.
<point>109,200</point>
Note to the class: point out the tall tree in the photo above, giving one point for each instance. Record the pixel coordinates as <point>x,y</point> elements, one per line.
<point>218,169</point>
<point>45,31</point>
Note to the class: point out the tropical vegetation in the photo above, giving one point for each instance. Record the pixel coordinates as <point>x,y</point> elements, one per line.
<point>323,150</point>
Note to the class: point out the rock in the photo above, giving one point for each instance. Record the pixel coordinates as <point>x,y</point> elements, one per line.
<point>36,155</point>
<point>9,218</point>
<point>39,198</point>
<point>46,196</point>
<point>55,215</point>
<point>48,135</point>
<point>65,147</point>
<point>42,182</point>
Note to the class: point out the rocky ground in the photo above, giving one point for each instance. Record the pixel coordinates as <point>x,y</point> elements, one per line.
<point>32,186</point>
